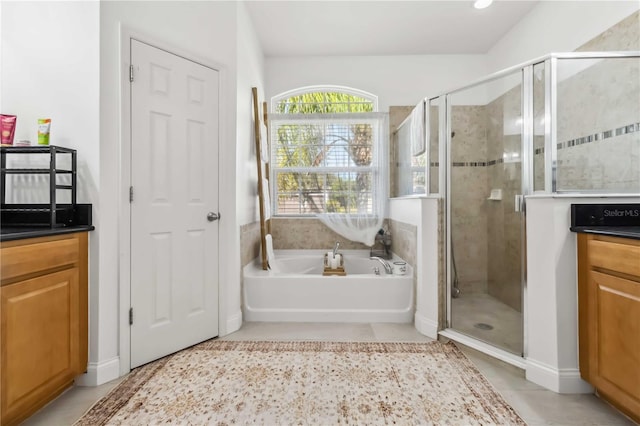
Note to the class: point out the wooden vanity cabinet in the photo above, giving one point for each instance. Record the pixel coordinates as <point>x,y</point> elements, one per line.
<point>609,318</point>
<point>43,309</point>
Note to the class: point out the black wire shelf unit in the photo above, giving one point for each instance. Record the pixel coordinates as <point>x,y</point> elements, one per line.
<point>52,214</point>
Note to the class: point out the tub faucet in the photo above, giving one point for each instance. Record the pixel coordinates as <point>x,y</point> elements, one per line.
<point>335,249</point>
<point>387,266</point>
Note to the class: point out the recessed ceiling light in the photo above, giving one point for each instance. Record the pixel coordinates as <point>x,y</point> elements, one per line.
<point>481,4</point>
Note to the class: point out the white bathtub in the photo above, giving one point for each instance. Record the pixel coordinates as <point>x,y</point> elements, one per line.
<point>297,291</point>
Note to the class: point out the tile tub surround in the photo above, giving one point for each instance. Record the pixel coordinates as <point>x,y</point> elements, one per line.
<point>249,242</point>
<point>291,233</point>
<point>404,241</point>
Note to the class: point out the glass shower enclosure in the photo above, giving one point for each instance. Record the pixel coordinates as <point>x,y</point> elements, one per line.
<point>486,185</point>
<point>564,123</point>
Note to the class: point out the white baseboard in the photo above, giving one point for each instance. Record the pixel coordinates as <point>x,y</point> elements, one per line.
<point>234,322</point>
<point>563,380</point>
<point>100,372</point>
<point>426,326</point>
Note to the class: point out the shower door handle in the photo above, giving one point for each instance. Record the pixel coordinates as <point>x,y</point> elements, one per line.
<point>519,203</point>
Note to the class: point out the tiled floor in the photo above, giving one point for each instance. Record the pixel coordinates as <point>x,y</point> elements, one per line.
<point>535,405</point>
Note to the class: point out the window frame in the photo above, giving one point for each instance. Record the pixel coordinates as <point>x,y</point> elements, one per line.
<point>373,170</point>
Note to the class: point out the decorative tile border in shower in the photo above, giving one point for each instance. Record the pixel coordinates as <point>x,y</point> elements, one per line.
<point>568,144</point>
<point>595,137</point>
<point>471,163</point>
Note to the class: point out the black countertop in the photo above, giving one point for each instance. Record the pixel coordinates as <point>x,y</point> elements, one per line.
<point>9,233</point>
<point>614,220</point>
<point>20,221</point>
<point>612,231</point>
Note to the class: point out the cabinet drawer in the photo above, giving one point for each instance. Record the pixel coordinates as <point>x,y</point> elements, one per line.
<point>615,257</point>
<point>38,255</point>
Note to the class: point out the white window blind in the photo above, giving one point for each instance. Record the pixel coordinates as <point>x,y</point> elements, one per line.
<point>325,163</point>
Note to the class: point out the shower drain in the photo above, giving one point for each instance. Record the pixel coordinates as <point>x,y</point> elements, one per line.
<point>483,326</point>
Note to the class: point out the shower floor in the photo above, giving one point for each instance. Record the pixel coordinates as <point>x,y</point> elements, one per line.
<point>470,312</point>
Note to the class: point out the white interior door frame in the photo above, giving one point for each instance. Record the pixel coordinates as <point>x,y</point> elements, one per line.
<point>124,177</point>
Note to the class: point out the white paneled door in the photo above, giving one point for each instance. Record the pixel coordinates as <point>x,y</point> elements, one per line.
<point>174,177</point>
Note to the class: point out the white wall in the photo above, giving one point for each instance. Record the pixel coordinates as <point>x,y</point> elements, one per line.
<point>203,30</point>
<point>396,80</point>
<point>552,292</point>
<point>62,60</point>
<point>50,68</point>
<point>250,74</point>
<point>557,26</point>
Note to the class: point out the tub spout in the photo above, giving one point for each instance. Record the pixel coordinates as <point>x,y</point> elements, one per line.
<point>387,266</point>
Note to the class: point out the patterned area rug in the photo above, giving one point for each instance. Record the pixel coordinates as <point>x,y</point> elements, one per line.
<point>230,382</point>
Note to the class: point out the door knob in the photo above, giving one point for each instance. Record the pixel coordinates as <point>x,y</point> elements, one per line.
<point>211,216</point>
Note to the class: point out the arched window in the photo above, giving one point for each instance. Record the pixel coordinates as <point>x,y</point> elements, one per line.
<point>327,153</point>
<point>324,100</point>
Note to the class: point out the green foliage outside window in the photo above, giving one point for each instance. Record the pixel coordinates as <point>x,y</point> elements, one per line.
<point>323,164</point>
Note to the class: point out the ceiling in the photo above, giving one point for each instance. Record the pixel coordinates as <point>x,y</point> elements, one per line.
<point>353,28</point>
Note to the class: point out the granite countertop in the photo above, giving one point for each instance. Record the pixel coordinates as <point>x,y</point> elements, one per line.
<point>21,221</point>
<point>10,233</point>
<point>612,231</point>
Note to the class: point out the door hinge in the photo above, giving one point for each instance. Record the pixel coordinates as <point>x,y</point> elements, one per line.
<point>131,194</point>
<point>131,73</point>
<point>130,316</point>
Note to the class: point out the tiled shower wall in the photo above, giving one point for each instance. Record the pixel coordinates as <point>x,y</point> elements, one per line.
<point>599,117</point>
<point>486,233</point>
<point>469,186</point>
<point>601,98</point>
<point>504,243</point>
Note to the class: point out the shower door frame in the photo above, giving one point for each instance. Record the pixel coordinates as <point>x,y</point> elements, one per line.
<point>550,178</point>
<point>526,173</point>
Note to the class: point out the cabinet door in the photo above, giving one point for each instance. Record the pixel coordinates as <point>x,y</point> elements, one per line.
<point>614,346</point>
<point>40,328</point>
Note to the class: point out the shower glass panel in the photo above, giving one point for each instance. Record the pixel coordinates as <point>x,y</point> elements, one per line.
<point>539,110</point>
<point>434,144</point>
<point>598,125</point>
<point>486,243</point>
